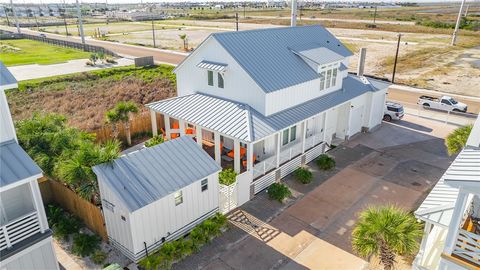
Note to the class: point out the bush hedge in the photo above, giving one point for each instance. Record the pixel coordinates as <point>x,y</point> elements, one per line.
<point>278,191</point>
<point>98,256</point>
<point>227,177</point>
<point>85,244</point>
<point>303,175</point>
<point>325,162</point>
<point>154,141</point>
<point>174,251</point>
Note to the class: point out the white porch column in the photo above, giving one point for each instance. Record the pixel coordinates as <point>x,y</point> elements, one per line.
<point>198,134</point>
<point>325,126</point>
<point>455,222</point>
<point>166,119</point>
<point>37,199</point>
<point>278,148</point>
<point>153,117</point>
<point>236,155</point>
<point>181,124</point>
<point>249,156</point>
<point>419,257</point>
<point>304,135</point>
<point>218,150</point>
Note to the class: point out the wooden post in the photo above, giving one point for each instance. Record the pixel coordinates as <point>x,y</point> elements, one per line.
<point>37,200</point>
<point>166,119</point>
<point>249,156</point>
<point>218,150</point>
<point>236,155</point>
<point>153,117</point>
<point>396,58</point>
<point>198,132</point>
<point>181,124</point>
<point>304,135</point>
<point>325,126</point>
<point>278,148</point>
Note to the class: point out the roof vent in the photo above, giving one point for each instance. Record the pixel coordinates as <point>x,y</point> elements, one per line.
<point>364,80</point>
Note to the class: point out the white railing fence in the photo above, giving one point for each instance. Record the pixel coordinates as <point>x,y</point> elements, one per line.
<point>19,229</point>
<point>227,197</point>
<point>313,140</point>
<point>291,152</point>
<point>468,246</point>
<point>264,166</point>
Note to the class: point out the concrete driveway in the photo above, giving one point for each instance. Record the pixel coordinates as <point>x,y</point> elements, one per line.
<point>397,164</point>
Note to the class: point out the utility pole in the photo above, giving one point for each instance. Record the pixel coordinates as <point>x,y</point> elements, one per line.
<point>236,21</point>
<point>293,19</point>
<point>64,19</point>
<point>375,15</point>
<point>80,23</point>
<point>244,12</point>
<point>457,25</point>
<point>466,11</point>
<point>6,15</point>
<point>396,58</point>
<point>153,34</point>
<point>15,16</point>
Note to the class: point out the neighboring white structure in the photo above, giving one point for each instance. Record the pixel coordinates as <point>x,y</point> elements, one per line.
<point>25,239</point>
<point>266,101</point>
<point>157,194</point>
<point>451,213</point>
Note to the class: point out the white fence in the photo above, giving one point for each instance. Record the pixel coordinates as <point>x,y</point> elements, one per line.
<point>227,197</point>
<point>468,246</point>
<point>291,152</point>
<point>313,140</point>
<point>264,166</point>
<point>19,229</point>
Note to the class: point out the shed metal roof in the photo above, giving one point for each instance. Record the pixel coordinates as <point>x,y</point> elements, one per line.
<point>149,174</point>
<point>465,168</point>
<point>7,80</point>
<point>245,123</point>
<point>267,56</point>
<point>321,56</point>
<point>15,164</point>
<point>214,66</point>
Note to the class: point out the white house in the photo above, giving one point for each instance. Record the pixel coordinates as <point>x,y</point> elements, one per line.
<point>157,194</point>
<point>25,239</point>
<point>451,213</point>
<point>265,101</point>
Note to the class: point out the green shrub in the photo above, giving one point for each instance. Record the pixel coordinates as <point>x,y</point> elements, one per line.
<point>279,192</point>
<point>303,175</point>
<point>54,214</point>
<point>66,225</point>
<point>84,244</point>
<point>325,162</point>
<point>154,141</point>
<point>457,139</point>
<point>98,257</point>
<point>227,177</point>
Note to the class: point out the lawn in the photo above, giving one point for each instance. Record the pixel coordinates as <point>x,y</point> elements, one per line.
<point>25,52</point>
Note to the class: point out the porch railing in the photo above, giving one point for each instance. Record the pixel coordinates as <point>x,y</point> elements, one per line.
<point>313,140</point>
<point>264,166</point>
<point>19,229</point>
<point>291,152</point>
<point>467,247</point>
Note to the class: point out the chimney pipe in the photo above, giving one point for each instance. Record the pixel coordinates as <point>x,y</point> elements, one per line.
<point>361,61</point>
<point>293,20</point>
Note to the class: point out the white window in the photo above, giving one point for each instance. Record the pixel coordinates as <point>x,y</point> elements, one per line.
<point>329,77</point>
<point>289,135</point>
<point>220,80</point>
<point>210,77</point>
<point>334,76</point>
<point>178,197</point>
<point>322,80</point>
<point>204,185</point>
<point>285,137</point>
<point>293,133</point>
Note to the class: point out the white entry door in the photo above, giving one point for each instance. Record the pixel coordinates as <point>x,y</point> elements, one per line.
<point>356,120</point>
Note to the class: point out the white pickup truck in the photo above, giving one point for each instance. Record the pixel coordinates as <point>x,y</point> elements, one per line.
<point>444,103</point>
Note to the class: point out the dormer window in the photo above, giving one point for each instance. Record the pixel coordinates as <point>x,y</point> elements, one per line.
<point>220,80</point>
<point>328,76</point>
<point>322,80</point>
<point>214,69</point>
<point>210,77</point>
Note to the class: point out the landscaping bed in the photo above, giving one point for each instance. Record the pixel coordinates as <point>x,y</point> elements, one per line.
<point>85,97</point>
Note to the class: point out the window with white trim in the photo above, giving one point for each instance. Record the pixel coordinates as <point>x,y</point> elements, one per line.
<point>178,197</point>
<point>289,135</point>
<point>220,80</point>
<point>204,185</point>
<point>210,77</point>
<point>329,77</point>
<point>334,77</point>
<point>322,80</point>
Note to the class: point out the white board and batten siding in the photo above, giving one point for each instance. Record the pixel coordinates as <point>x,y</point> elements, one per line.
<point>38,256</point>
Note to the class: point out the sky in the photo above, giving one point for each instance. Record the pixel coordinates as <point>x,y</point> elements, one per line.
<point>160,1</point>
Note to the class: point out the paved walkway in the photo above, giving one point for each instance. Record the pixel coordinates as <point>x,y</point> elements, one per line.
<point>399,163</point>
<point>64,259</point>
<point>35,71</point>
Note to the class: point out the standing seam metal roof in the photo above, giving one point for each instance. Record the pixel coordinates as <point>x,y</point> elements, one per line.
<point>266,54</point>
<point>243,122</point>
<point>6,77</point>
<point>15,164</point>
<point>212,66</point>
<point>320,56</point>
<point>147,175</point>
<point>466,167</point>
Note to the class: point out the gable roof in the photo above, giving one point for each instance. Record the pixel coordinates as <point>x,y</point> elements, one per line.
<point>7,80</point>
<point>149,174</point>
<point>267,56</point>
<point>320,56</point>
<point>240,121</point>
<point>15,164</point>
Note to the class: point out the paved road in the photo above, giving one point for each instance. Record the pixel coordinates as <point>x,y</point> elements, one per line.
<point>337,20</point>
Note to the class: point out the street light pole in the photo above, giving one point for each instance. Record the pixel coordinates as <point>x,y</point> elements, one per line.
<point>15,16</point>
<point>153,34</point>
<point>80,23</point>
<point>236,21</point>
<point>375,15</point>
<point>457,25</point>
<point>396,58</point>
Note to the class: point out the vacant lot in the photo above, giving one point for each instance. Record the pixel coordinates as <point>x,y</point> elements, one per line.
<point>84,98</point>
<point>25,51</point>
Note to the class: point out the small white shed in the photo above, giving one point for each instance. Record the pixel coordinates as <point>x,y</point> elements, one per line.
<point>157,194</point>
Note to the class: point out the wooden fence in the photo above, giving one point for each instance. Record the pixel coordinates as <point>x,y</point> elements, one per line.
<point>139,124</point>
<point>55,192</point>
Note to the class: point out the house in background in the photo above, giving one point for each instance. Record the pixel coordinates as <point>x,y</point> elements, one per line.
<point>264,102</point>
<point>451,213</point>
<point>157,194</point>
<point>25,239</point>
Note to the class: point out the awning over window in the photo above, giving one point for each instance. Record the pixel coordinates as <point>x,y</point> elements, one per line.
<point>214,66</point>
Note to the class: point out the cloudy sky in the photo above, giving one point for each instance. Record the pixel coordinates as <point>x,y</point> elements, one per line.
<point>159,1</point>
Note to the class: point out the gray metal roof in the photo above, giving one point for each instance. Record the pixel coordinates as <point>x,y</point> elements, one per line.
<point>267,56</point>
<point>465,167</point>
<point>15,164</point>
<point>6,78</point>
<point>342,67</point>
<point>212,65</point>
<point>438,206</point>
<point>474,138</point>
<point>243,122</point>
<point>149,174</point>
<point>321,56</point>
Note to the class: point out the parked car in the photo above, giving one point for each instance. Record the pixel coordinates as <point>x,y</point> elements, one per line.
<point>43,35</point>
<point>393,111</point>
<point>444,103</point>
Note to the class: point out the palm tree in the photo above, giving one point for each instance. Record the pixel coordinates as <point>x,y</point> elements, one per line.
<point>184,38</point>
<point>121,113</point>
<point>386,231</point>
<point>456,140</point>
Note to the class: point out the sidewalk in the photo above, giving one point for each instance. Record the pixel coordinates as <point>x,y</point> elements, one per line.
<point>35,71</point>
